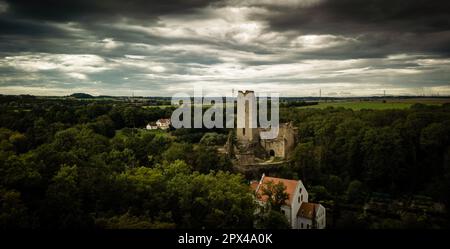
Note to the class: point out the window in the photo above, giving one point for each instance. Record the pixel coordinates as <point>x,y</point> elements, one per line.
<point>301,196</point>
<point>282,211</point>
<point>300,190</point>
<point>301,225</point>
<point>308,226</point>
<point>298,199</point>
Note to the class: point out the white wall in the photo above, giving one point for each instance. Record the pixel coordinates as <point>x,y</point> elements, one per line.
<point>287,211</point>
<point>304,221</point>
<point>321,218</point>
<point>321,221</point>
<point>300,195</point>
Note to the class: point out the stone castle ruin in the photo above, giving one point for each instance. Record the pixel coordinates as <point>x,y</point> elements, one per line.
<point>246,147</point>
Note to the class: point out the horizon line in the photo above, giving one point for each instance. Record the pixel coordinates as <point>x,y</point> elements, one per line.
<point>168,96</point>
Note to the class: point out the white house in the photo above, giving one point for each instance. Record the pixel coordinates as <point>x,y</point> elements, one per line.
<point>296,191</point>
<point>151,127</point>
<point>297,197</point>
<point>311,216</point>
<point>163,123</point>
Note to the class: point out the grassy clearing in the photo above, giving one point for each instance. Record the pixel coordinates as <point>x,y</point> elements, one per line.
<point>156,106</point>
<point>356,105</point>
<point>376,105</point>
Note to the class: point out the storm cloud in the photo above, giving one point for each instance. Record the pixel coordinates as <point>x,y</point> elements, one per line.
<point>345,48</point>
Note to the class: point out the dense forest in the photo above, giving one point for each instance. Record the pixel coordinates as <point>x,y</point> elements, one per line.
<point>81,163</point>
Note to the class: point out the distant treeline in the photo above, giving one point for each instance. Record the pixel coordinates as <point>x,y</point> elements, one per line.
<point>297,103</point>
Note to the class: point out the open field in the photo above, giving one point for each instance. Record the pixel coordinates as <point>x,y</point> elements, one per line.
<point>156,106</point>
<point>169,106</point>
<point>378,104</point>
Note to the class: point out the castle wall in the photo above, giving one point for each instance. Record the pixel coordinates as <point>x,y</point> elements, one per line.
<point>277,146</point>
<point>284,144</point>
<point>289,137</point>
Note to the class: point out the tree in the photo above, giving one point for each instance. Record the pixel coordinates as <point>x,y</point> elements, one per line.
<point>306,160</point>
<point>179,151</point>
<point>276,194</point>
<point>103,125</point>
<point>20,142</point>
<point>272,219</point>
<point>18,173</point>
<point>142,190</point>
<point>206,159</point>
<point>128,221</point>
<point>335,185</point>
<point>13,213</point>
<point>319,193</point>
<point>213,138</point>
<point>385,160</point>
<point>214,200</point>
<point>64,204</point>
<point>355,192</point>
<point>119,160</point>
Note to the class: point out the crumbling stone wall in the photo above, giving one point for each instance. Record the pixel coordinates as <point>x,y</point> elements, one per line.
<point>283,145</point>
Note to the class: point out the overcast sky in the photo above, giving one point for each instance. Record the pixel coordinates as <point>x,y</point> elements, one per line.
<point>294,47</point>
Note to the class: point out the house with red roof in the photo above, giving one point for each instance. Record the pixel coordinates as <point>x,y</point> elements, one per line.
<point>299,212</point>
<point>311,215</point>
<point>163,123</point>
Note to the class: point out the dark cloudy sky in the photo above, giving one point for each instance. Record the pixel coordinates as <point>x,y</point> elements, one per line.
<point>295,47</point>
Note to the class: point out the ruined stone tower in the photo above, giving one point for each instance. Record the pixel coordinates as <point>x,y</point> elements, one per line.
<point>247,123</point>
<point>248,149</point>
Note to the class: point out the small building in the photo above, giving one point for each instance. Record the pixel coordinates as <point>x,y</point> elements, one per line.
<point>312,215</point>
<point>151,126</point>
<point>163,123</point>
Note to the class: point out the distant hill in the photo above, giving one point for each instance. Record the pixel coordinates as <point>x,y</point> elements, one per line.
<point>81,96</point>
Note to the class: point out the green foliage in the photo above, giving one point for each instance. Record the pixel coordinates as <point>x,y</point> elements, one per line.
<point>179,151</point>
<point>207,160</point>
<point>64,205</point>
<point>276,195</point>
<point>306,161</point>
<point>127,221</point>
<point>272,220</point>
<point>215,200</point>
<point>335,185</point>
<point>213,138</point>
<point>356,153</point>
<point>355,192</point>
<point>17,173</point>
<point>13,212</point>
<point>70,163</point>
<point>318,193</point>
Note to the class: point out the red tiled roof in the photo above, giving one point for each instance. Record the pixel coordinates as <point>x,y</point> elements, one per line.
<point>308,210</point>
<point>290,185</point>
<point>254,185</point>
<point>164,120</point>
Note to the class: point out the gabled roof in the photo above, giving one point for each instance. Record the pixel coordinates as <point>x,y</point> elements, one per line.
<point>290,185</point>
<point>164,120</point>
<point>308,210</point>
